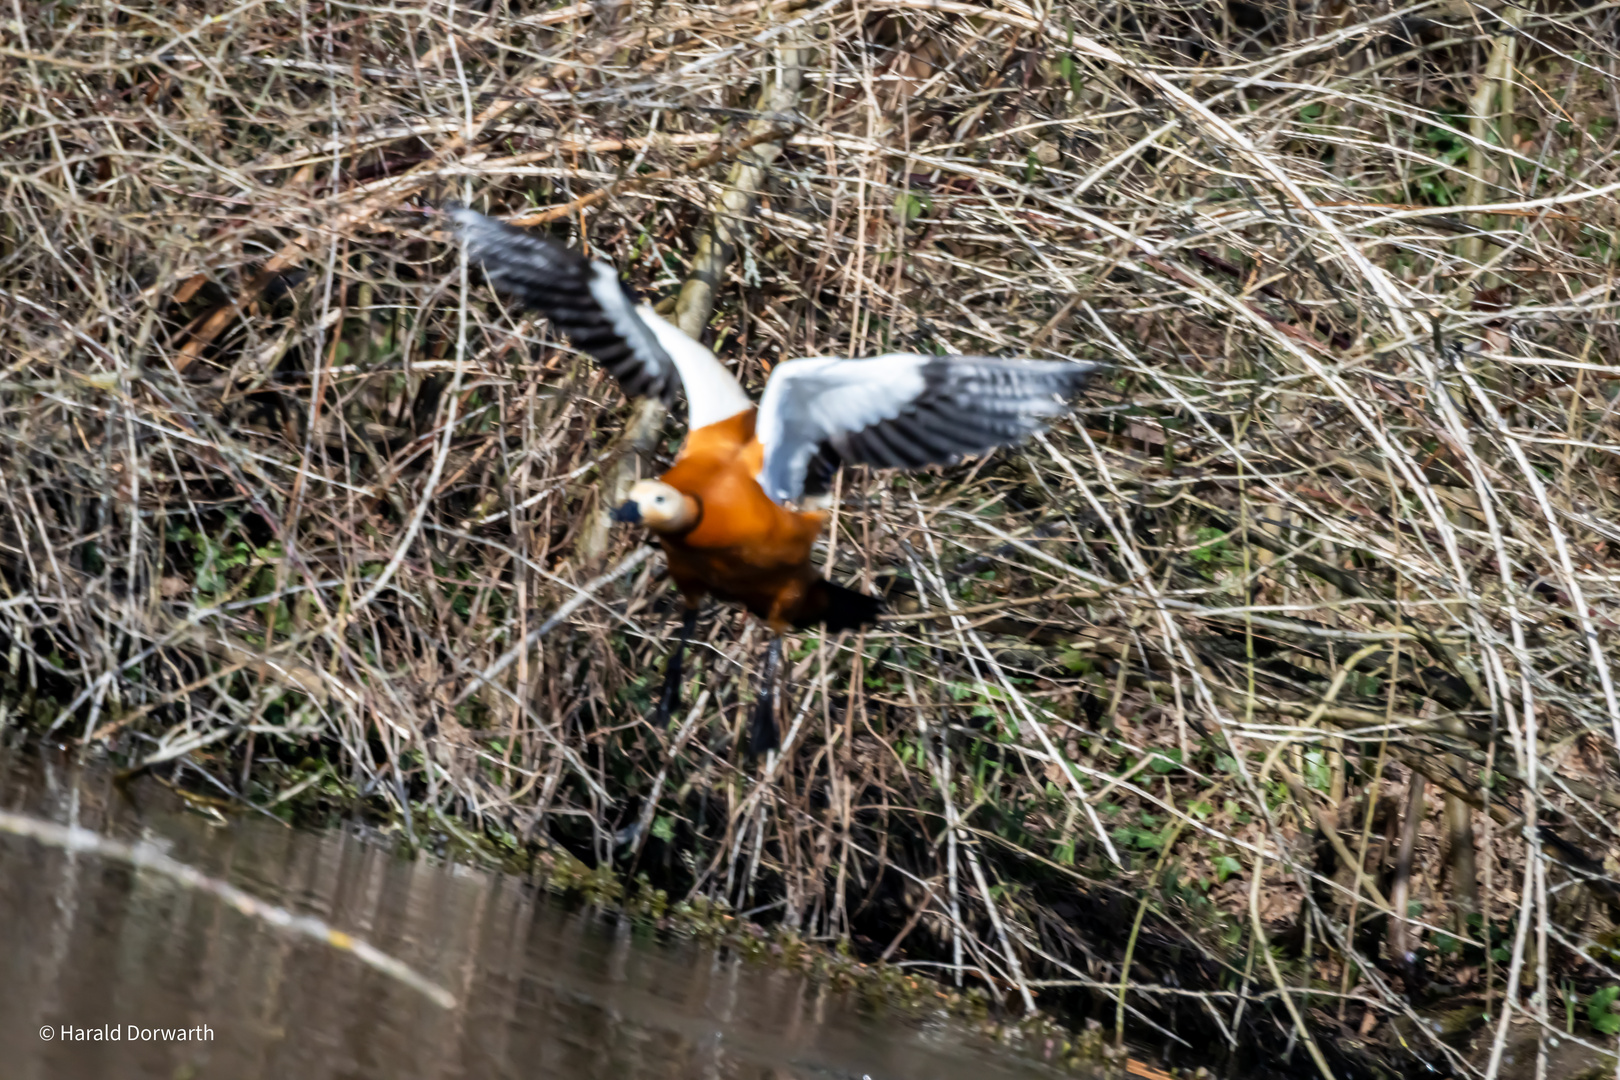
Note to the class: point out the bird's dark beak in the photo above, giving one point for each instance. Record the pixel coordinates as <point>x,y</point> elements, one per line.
<point>628,513</point>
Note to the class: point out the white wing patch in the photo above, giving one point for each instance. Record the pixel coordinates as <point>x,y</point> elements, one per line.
<point>808,400</point>
<point>712,392</point>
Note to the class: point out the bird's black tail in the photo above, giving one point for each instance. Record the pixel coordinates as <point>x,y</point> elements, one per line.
<point>838,608</point>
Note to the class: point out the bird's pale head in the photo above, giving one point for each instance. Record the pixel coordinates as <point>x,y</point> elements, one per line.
<point>659,507</point>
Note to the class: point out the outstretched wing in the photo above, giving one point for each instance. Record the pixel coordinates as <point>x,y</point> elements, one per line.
<point>900,411</point>
<point>583,298</point>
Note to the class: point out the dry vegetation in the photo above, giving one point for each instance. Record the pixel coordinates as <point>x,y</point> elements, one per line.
<point>1321,577</point>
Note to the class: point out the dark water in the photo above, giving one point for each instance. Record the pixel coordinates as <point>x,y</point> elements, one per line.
<point>540,991</point>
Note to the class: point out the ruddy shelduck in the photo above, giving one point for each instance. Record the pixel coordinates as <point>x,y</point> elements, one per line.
<point>738,511</point>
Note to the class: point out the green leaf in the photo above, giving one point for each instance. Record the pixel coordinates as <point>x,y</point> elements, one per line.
<point>1317,774</point>
<point>1165,761</point>
<point>1146,839</point>
<point>1600,1011</point>
<point>1226,866</point>
<point>1212,546</point>
<point>1074,660</point>
<point>663,828</point>
<point>911,205</point>
<point>1071,74</point>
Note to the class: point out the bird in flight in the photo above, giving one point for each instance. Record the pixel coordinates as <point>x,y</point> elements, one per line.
<point>738,511</point>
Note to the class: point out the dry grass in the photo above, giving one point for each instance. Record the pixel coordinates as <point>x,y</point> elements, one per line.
<point>280,487</point>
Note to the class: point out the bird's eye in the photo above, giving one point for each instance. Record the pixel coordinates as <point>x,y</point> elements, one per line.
<point>660,499</point>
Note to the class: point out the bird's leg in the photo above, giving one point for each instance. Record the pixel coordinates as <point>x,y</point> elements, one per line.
<point>672,671</point>
<point>763,736</point>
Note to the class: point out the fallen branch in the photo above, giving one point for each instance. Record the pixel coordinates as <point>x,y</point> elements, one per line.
<point>145,856</point>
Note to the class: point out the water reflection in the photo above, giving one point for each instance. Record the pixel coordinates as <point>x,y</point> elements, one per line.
<point>542,992</point>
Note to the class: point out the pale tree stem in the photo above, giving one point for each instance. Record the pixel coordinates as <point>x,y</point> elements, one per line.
<point>1401,936</point>
<point>1460,838</point>
<point>716,248</point>
<point>1487,110</point>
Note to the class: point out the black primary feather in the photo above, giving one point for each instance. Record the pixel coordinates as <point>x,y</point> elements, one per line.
<point>968,405</point>
<point>582,298</point>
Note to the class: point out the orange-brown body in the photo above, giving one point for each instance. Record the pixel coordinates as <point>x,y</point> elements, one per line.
<point>744,548</point>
